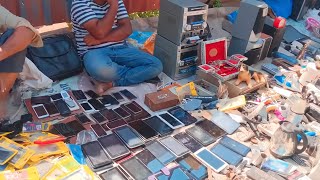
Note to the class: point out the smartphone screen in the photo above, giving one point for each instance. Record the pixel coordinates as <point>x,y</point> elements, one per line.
<point>64,129</point>
<point>175,173</point>
<point>128,94</point>
<point>98,117</point>
<point>109,100</point>
<point>96,155</point>
<point>173,145</point>
<point>136,169</point>
<point>158,125</point>
<point>182,115</point>
<point>40,111</point>
<point>226,154</point>
<point>76,126</point>
<point>210,159</point>
<point>211,128</point>
<point>40,100</point>
<point>79,95</point>
<point>129,136</point>
<point>83,118</point>
<point>62,107</point>
<point>118,96</point>
<point>56,97</point>
<point>113,174</point>
<point>161,153</point>
<point>105,127</point>
<point>113,146</point>
<point>52,109</point>
<point>96,104</point>
<point>92,94</point>
<point>188,141</point>
<point>193,166</point>
<point>117,123</point>
<point>200,135</point>
<point>98,130</point>
<point>149,160</point>
<point>142,128</point>
<point>123,113</point>
<point>86,106</point>
<point>133,108</point>
<point>110,115</point>
<point>235,146</point>
<point>171,120</point>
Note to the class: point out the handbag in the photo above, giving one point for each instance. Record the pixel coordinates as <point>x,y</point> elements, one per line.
<point>58,58</point>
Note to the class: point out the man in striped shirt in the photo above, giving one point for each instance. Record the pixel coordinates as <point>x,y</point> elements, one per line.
<point>101,28</point>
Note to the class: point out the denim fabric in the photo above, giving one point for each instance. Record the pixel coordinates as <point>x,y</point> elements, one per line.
<point>122,65</point>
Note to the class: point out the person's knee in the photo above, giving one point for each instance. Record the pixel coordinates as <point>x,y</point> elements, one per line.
<point>157,65</point>
<point>101,73</point>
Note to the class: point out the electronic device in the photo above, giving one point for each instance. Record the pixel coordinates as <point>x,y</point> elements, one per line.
<point>226,154</point>
<point>76,126</point>
<point>246,31</point>
<point>98,130</point>
<point>95,154</point>
<point>158,125</point>
<point>182,115</point>
<point>79,95</point>
<point>135,168</point>
<point>98,117</point>
<point>115,124</point>
<point>270,68</point>
<point>300,8</point>
<point>225,122</point>
<point>51,109</point>
<point>40,100</point>
<point>193,166</point>
<point>211,128</point>
<point>113,146</point>
<point>113,174</point>
<point>174,172</point>
<point>174,146</point>
<point>171,121</point>
<point>92,94</point>
<point>40,111</point>
<point>64,129</point>
<point>160,152</point>
<point>235,146</point>
<point>96,104</point>
<point>128,94</point>
<point>143,129</point>
<point>133,108</point>
<point>200,135</point>
<point>129,136</point>
<point>62,107</point>
<point>87,107</point>
<point>110,115</point>
<point>149,160</point>
<point>267,40</point>
<point>211,160</point>
<point>118,96</point>
<point>83,118</point>
<point>108,100</point>
<point>123,113</point>
<point>188,141</point>
<point>55,97</point>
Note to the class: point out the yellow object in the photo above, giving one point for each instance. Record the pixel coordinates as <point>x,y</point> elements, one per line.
<point>187,89</point>
<point>24,174</point>
<point>43,151</point>
<point>10,149</point>
<point>231,104</point>
<point>63,168</point>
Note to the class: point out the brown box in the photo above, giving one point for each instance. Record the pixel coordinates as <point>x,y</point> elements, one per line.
<point>161,100</point>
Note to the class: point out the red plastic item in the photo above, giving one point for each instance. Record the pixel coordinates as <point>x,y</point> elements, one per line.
<point>50,141</point>
<point>279,22</point>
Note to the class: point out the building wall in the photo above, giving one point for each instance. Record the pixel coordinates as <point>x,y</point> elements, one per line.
<point>46,12</point>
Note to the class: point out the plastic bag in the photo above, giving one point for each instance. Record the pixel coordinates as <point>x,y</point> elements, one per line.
<point>148,46</point>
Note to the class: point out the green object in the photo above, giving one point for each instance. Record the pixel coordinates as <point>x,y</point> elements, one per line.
<point>146,14</point>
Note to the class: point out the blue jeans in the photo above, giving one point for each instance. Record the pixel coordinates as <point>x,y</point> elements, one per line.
<point>122,65</point>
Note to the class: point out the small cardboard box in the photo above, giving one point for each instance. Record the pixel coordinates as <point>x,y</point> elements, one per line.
<point>161,100</point>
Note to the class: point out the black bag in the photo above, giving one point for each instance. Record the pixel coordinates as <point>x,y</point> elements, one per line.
<point>57,59</point>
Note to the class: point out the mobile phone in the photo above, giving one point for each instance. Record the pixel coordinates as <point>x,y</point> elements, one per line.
<point>96,104</point>
<point>51,109</point>
<point>171,121</point>
<point>129,136</point>
<point>211,160</point>
<point>65,95</point>
<point>142,128</point>
<point>62,107</point>
<point>136,169</point>
<point>235,146</point>
<point>149,160</point>
<point>113,174</point>
<point>92,94</point>
<point>79,95</point>
<point>200,135</point>
<point>174,146</point>
<point>76,126</point>
<point>193,166</point>
<point>110,115</point>
<point>161,152</point>
<point>55,97</point>
<point>117,123</point>
<point>118,96</point>
<point>87,107</point>
<point>123,113</point>
<point>113,146</point>
<point>40,100</point>
<point>225,122</point>
<point>158,125</point>
<point>133,108</point>
<point>211,128</point>
<point>70,103</point>
<point>98,117</point>
<point>83,118</point>
<point>128,94</point>
<point>98,130</point>
<point>108,100</point>
<point>188,141</point>
<point>95,154</point>
<point>173,173</point>
<point>64,129</point>
<point>40,111</point>
<point>182,115</point>
<point>105,127</point>
<point>226,154</point>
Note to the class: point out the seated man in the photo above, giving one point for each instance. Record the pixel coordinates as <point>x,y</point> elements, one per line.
<point>101,27</point>
<point>17,34</point>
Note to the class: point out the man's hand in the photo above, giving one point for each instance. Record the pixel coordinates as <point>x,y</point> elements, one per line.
<point>91,41</point>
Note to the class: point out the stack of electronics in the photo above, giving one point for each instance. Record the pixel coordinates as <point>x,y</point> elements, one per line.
<point>177,46</point>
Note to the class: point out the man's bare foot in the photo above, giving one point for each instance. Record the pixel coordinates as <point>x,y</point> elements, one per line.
<point>102,87</point>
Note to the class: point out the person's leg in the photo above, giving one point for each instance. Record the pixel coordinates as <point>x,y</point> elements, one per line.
<point>7,81</point>
<point>142,66</point>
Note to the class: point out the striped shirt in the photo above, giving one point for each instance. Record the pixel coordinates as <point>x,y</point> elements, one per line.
<point>84,10</point>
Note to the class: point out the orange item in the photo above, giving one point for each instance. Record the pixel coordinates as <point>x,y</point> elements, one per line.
<point>148,46</point>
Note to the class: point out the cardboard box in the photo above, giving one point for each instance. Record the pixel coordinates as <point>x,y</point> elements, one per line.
<point>161,100</point>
